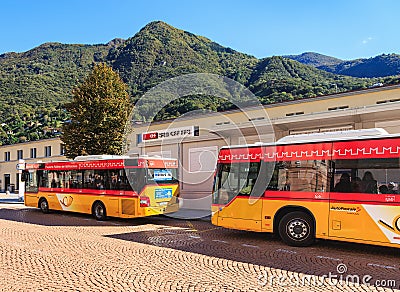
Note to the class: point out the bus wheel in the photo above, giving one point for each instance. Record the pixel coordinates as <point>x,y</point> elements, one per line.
<point>44,205</point>
<point>297,229</point>
<point>99,211</point>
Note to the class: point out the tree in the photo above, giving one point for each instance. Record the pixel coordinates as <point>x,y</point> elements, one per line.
<point>99,113</point>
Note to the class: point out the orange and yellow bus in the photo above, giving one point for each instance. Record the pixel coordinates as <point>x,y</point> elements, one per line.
<point>103,185</point>
<point>314,186</point>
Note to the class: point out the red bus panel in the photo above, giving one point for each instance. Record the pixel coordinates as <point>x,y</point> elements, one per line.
<point>317,151</point>
<point>377,148</point>
<point>95,164</point>
<point>240,155</point>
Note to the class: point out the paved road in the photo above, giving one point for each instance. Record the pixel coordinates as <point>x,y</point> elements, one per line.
<point>73,252</point>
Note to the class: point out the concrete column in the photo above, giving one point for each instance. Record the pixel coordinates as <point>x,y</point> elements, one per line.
<point>21,184</point>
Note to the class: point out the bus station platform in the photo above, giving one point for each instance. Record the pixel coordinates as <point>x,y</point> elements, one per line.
<point>12,198</point>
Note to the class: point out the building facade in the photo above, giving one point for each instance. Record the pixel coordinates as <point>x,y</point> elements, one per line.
<point>42,150</point>
<point>196,139</point>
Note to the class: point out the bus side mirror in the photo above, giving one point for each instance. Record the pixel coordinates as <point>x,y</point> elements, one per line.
<point>25,176</point>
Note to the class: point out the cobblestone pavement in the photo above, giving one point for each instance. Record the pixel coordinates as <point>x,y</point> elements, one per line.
<point>73,252</point>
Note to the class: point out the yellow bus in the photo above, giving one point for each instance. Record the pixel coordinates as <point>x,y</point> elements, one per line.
<point>103,185</point>
<point>327,185</point>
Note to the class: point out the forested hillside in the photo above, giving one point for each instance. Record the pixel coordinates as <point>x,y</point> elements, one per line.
<point>380,66</point>
<point>34,85</point>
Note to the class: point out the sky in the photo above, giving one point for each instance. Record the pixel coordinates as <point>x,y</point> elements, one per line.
<point>345,29</point>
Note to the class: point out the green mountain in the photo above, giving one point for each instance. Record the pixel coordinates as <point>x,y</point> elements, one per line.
<point>314,59</point>
<point>380,66</point>
<point>159,51</point>
<point>34,85</point>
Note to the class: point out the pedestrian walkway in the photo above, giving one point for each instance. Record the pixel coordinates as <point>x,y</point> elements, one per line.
<point>12,198</point>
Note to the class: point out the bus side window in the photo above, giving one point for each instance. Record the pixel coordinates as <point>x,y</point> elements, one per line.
<point>43,178</point>
<point>223,197</point>
<point>298,176</point>
<point>114,180</point>
<point>368,183</point>
<point>369,176</point>
<point>275,175</point>
<point>344,184</point>
<point>299,184</point>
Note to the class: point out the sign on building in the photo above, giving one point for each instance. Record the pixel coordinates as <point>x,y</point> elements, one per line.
<point>168,134</point>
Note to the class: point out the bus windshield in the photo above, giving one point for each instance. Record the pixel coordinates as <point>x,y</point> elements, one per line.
<point>235,179</point>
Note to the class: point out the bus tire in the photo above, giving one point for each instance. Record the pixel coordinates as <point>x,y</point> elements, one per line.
<point>99,211</point>
<point>297,229</point>
<point>44,206</point>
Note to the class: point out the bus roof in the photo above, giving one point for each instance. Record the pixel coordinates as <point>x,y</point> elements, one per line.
<point>363,134</point>
<point>106,162</point>
<point>111,157</point>
<point>99,157</point>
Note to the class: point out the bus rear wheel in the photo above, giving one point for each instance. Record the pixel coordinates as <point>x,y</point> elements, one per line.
<point>99,211</point>
<point>44,206</point>
<point>297,229</point>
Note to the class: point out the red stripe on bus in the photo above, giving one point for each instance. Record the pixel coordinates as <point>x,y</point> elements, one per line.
<point>240,155</point>
<point>78,165</point>
<point>321,196</point>
<point>316,151</point>
<point>90,192</point>
<point>103,192</point>
<point>109,164</point>
<point>310,197</point>
<point>374,148</point>
<point>364,197</point>
<point>351,198</point>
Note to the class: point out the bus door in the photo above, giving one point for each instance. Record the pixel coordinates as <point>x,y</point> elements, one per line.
<point>364,200</point>
<point>300,185</point>
<point>237,195</point>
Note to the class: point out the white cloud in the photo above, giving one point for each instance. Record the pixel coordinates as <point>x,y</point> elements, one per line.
<point>367,40</point>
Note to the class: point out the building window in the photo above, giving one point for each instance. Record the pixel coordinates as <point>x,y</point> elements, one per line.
<point>294,114</point>
<point>33,152</point>
<point>388,100</point>
<point>62,149</point>
<point>20,154</point>
<point>257,119</point>
<point>338,108</point>
<point>47,151</point>
<point>7,156</point>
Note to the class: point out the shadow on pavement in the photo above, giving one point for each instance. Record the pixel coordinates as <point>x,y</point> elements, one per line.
<point>266,250</point>
<point>59,218</point>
